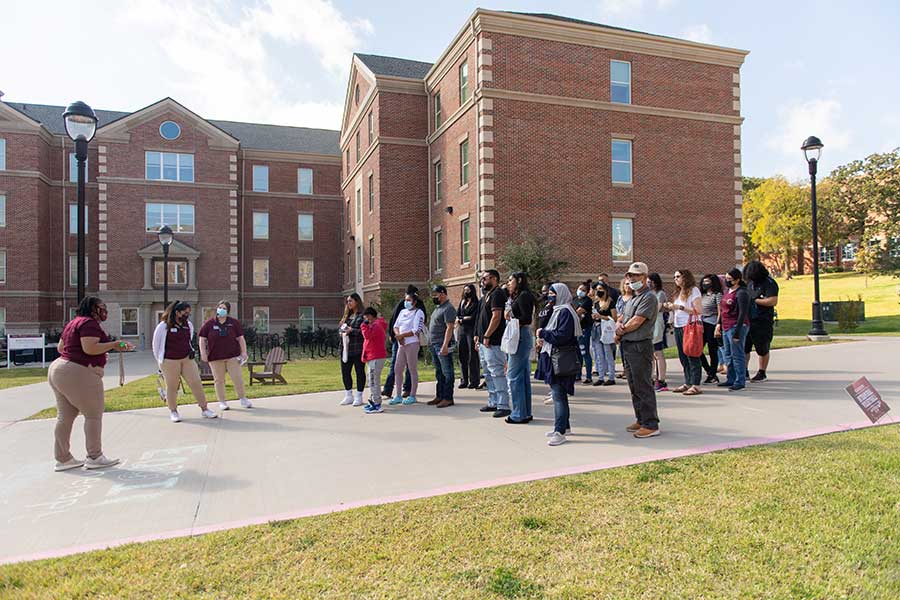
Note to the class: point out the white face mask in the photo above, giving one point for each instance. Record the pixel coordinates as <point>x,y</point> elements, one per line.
<point>636,285</point>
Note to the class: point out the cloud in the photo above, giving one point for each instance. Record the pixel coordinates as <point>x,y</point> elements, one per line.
<point>621,8</point>
<point>698,33</point>
<point>800,119</point>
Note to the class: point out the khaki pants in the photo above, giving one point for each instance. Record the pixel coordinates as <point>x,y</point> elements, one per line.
<point>233,367</point>
<point>78,389</point>
<point>173,371</point>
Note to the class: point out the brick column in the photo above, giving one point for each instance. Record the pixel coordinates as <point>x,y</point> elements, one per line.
<point>102,206</point>
<point>233,223</point>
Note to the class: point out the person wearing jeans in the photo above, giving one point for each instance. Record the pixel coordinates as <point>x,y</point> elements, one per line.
<point>583,307</point>
<point>734,323</point>
<point>518,375</point>
<point>687,306</point>
<point>489,327</point>
<point>443,320</point>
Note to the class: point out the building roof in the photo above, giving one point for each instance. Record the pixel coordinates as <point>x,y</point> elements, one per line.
<point>583,22</point>
<point>395,67</point>
<point>252,136</point>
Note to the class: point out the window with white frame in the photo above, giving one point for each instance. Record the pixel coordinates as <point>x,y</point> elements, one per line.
<point>261,319</point>
<point>848,252</point>
<point>169,166</point>
<point>307,318</point>
<point>180,217</point>
<point>73,168</point>
<point>73,312</point>
<point>260,225</point>
<point>260,178</point>
<point>2,154</point>
<point>438,250</point>
<point>894,247</point>
<point>304,181</point>
<point>2,322</point>
<point>371,192</point>
<point>128,322</point>
<point>357,145</point>
<point>437,110</point>
<point>465,242</point>
<point>827,255</point>
<point>304,227</point>
<point>464,162</point>
<point>261,272</point>
<point>622,239</point>
<point>438,182</point>
<point>306,272</point>
<point>359,263</point>
<point>358,206</point>
<point>372,255</point>
<point>2,210</point>
<point>463,82</point>
<point>371,128</point>
<point>621,161</point>
<point>73,271</point>
<point>73,219</point>
<point>2,266</point>
<point>178,273</point>
<point>620,81</point>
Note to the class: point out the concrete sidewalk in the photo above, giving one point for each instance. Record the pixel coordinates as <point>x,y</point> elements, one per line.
<point>301,455</point>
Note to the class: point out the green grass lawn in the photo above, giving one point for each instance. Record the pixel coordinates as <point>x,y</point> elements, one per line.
<point>21,376</point>
<point>815,518</point>
<point>304,376</point>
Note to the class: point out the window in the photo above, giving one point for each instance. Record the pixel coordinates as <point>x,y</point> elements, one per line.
<point>372,255</point>
<point>169,130</point>
<point>3,322</point>
<point>2,210</point>
<point>128,321</point>
<point>73,168</point>
<point>894,248</point>
<point>848,252</point>
<point>73,219</point>
<point>306,270</point>
<point>371,192</point>
<point>177,272</point>
<point>622,240</point>
<point>207,313</point>
<point>260,225</point>
<point>304,227</point>
<point>827,255</point>
<point>180,217</point>
<point>348,160</point>
<point>261,272</point>
<point>621,161</point>
<point>168,166</point>
<point>304,181</point>
<point>438,250</point>
<point>307,318</point>
<point>371,128</point>
<point>464,163</point>
<point>438,182</point>
<point>464,238</point>
<point>356,94</point>
<point>357,145</point>
<point>437,110</point>
<point>73,270</point>
<point>463,82</point>
<point>260,178</point>
<point>347,267</point>
<point>2,266</point>
<point>2,154</point>
<point>261,319</point>
<point>620,81</point>
<point>358,206</point>
<point>359,266</point>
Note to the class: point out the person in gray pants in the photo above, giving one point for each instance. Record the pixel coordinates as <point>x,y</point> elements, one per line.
<point>635,331</point>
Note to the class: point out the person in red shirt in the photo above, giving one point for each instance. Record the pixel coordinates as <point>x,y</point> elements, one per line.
<point>374,332</point>
<point>76,378</point>
<point>222,345</point>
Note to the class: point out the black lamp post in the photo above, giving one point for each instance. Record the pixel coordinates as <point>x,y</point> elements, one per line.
<point>812,150</point>
<point>165,236</point>
<point>81,125</point>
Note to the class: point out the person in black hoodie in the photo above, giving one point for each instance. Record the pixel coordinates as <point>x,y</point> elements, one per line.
<point>465,320</point>
<point>388,391</point>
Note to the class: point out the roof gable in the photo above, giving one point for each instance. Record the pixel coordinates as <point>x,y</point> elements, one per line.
<point>123,124</point>
<point>395,67</point>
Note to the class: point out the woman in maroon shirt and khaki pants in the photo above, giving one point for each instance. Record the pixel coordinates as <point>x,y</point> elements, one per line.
<point>76,378</point>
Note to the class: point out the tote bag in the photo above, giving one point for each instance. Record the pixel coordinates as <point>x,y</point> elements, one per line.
<point>510,341</point>
<point>608,331</point>
<point>693,338</point>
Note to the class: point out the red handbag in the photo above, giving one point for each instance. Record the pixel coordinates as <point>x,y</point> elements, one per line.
<point>692,341</point>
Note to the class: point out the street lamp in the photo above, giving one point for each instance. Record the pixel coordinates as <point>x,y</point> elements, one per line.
<point>165,240</point>
<point>812,150</point>
<point>81,125</point>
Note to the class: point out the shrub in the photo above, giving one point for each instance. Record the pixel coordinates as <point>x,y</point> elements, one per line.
<point>848,314</point>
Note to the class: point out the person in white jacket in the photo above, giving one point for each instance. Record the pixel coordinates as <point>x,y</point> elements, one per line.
<point>174,354</point>
<point>410,322</point>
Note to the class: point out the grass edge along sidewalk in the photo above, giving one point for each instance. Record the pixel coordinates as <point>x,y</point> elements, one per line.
<point>812,518</point>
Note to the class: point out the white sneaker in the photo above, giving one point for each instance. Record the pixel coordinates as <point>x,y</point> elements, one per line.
<point>548,400</point>
<point>208,414</point>
<point>357,399</point>
<point>246,403</point>
<point>552,431</point>
<point>348,398</point>
<point>72,463</point>
<point>175,417</point>
<point>223,406</point>
<point>556,439</point>
<point>101,462</point>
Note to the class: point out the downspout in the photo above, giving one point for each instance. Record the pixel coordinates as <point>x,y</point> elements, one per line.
<point>428,167</point>
<point>477,105</point>
<point>240,228</point>
<point>65,219</point>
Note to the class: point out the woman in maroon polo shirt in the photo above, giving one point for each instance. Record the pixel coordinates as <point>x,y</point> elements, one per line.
<point>77,381</point>
<point>222,345</point>
<point>175,355</point>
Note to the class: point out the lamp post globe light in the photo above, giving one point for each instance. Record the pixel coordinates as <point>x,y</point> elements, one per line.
<point>81,125</point>
<point>812,150</point>
<point>165,237</point>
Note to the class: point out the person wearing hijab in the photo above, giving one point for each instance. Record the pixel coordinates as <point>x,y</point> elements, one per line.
<point>563,330</point>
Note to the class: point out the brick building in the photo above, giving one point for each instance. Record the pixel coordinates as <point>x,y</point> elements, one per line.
<point>255,210</point>
<point>619,145</point>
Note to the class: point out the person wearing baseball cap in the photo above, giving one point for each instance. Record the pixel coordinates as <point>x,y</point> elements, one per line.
<point>635,331</point>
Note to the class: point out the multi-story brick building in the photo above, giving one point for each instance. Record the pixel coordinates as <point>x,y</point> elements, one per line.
<point>614,144</point>
<point>255,210</point>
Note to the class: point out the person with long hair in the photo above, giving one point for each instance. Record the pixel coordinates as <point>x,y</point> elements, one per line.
<point>603,337</point>
<point>388,390</point>
<point>625,294</point>
<point>763,292</point>
<point>351,354</point>
<point>223,346</point>
<point>659,332</point>
<point>734,323</point>
<point>711,288</point>
<point>410,322</point>
<point>466,314</point>
<point>76,379</point>
<point>583,307</point>
<point>686,304</point>
<point>173,350</point>
<point>518,374</point>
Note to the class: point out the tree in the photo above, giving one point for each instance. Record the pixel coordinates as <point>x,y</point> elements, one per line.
<point>534,254</point>
<point>778,215</point>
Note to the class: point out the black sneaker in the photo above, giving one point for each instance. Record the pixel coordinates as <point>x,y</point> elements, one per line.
<point>588,381</point>
<point>597,382</point>
<point>609,382</point>
<point>502,412</point>
<point>463,385</point>
<point>712,379</point>
<point>760,376</point>
<point>488,409</point>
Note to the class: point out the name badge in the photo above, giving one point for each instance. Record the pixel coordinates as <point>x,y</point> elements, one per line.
<point>216,327</point>
<point>174,330</point>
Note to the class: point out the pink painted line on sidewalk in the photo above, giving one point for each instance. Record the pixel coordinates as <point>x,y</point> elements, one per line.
<point>451,489</point>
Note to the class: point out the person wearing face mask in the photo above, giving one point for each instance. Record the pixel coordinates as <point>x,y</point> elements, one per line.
<point>733,325</point>
<point>546,302</point>
<point>604,315</point>
<point>443,319</point>
<point>465,321</point>
<point>410,322</point>
<point>223,346</point>
<point>489,328</point>
<point>711,288</point>
<point>76,379</point>
<point>175,356</point>
<point>518,375</point>
<point>583,308</point>
<point>687,306</point>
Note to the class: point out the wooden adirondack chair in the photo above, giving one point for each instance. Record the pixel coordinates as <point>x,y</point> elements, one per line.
<point>206,374</point>
<point>271,372</point>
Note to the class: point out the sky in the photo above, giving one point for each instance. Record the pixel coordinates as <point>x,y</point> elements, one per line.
<point>823,68</point>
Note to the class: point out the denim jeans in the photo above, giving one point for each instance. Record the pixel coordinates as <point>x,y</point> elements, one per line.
<point>443,373</point>
<point>735,359</point>
<point>518,375</point>
<point>606,360</point>
<point>584,344</point>
<point>389,380</point>
<point>493,361</point>
<point>690,365</point>
<point>373,376</point>
<point>560,408</point>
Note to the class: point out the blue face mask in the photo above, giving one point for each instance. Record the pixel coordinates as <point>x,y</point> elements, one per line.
<point>221,312</point>
<point>581,293</point>
<point>408,304</point>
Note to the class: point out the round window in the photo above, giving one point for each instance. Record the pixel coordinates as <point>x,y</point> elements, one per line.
<point>170,130</point>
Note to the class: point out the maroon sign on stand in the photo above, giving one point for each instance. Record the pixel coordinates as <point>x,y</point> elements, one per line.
<point>868,399</point>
